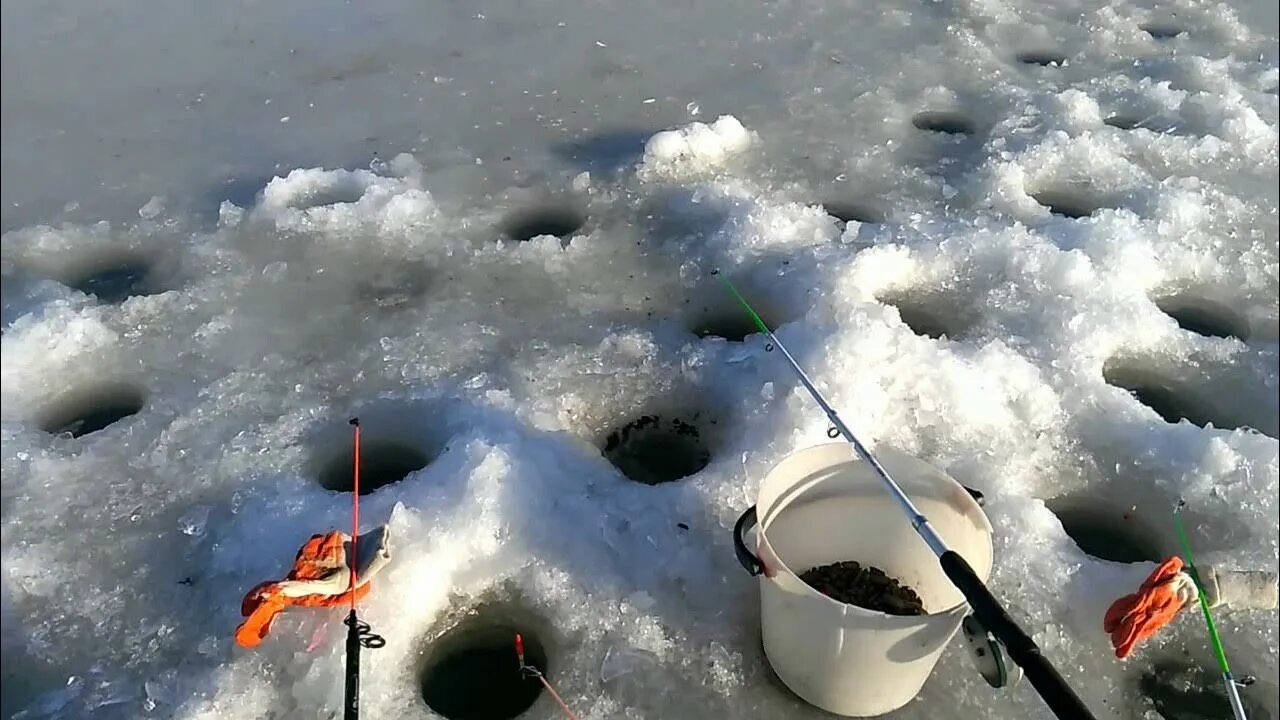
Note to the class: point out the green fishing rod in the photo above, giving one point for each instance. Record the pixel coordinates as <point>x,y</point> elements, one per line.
<point>1233,689</point>
<point>1046,680</point>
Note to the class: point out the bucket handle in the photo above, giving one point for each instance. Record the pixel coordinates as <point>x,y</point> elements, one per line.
<point>749,561</point>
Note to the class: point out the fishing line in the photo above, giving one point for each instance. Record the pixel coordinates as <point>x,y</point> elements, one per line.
<point>1059,696</point>
<point>1233,689</point>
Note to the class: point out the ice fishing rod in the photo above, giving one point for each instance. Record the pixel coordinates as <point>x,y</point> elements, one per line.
<point>1233,689</point>
<point>359,634</point>
<point>1059,696</point>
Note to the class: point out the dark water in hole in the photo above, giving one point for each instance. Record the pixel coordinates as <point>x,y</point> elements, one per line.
<point>91,417</point>
<point>1185,692</point>
<point>1043,59</point>
<point>654,451</point>
<point>1068,204</point>
<point>381,463</point>
<point>948,123</point>
<point>922,322</point>
<point>475,674</point>
<point>115,285</point>
<point>1205,321</point>
<point>558,222</point>
<point>733,329</point>
<point>847,212</point>
<point>1106,537</point>
<point>1166,403</point>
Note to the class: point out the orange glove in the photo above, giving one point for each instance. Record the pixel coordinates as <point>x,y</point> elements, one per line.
<point>1134,618</point>
<point>319,559</point>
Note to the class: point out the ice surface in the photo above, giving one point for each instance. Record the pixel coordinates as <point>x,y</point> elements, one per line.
<point>1098,232</point>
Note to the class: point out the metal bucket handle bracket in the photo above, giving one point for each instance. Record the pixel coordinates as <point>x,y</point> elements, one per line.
<point>748,559</point>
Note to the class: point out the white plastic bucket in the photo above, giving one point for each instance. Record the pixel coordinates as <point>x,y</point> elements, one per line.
<point>823,505</point>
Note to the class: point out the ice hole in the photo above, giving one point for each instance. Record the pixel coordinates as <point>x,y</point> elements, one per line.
<point>1156,393</point>
<point>1124,122</point>
<point>113,279</point>
<point>381,463</point>
<point>1070,202</point>
<point>1204,317</point>
<point>1043,58</point>
<point>397,438</point>
<point>86,411</point>
<point>656,449</point>
<point>557,221</point>
<point>713,313</point>
<point>1107,531</point>
<point>472,671</point>
<point>1181,690</point>
<point>942,121</point>
<point>852,211</point>
<point>1162,30</point>
<point>931,317</point>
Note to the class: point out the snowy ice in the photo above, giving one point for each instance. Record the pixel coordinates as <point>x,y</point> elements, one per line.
<point>1057,236</point>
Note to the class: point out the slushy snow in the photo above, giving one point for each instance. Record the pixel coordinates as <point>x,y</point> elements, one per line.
<point>1066,242</point>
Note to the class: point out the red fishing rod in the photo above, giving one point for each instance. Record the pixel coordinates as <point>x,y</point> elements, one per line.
<point>359,633</point>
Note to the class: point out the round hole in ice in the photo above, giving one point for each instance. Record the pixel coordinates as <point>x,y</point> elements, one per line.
<point>1175,402</point>
<point>929,316</point>
<point>89,410</point>
<point>1043,58</point>
<point>1124,122</point>
<point>1151,390</point>
<point>943,121</point>
<point>1183,690</point>
<point>472,671</point>
<point>1204,317</point>
<point>113,279</point>
<point>847,211</point>
<point>1161,30</point>
<point>1070,202</point>
<point>734,327</point>
<point>711,312</point>
<point>557,221</point>
<point>382,462</point>
<point>1107,531</point>
<point>656,449</point>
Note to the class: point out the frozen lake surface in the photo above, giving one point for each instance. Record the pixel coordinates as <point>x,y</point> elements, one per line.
<point>1035,246</point>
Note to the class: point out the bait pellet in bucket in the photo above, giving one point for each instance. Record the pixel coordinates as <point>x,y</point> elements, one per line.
<point>867,587</point>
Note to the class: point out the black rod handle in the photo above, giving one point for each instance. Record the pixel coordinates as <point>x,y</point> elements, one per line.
<point>1059,696</point>
<point>351,701</point>
<point>748,559</point>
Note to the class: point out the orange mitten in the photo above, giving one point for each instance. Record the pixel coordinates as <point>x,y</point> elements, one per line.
<point>319,578</point>
<point>1134,618</point>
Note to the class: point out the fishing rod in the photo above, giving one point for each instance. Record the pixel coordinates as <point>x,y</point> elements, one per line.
<point>359,634</point>
<point>1233,689</point>
<point>1059,696</point>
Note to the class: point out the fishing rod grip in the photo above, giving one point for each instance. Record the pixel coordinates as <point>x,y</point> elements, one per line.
<point>1059,696</point>
<point>351,700</point>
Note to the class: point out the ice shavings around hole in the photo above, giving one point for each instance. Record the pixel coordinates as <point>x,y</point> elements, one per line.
<point>696,146</point>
